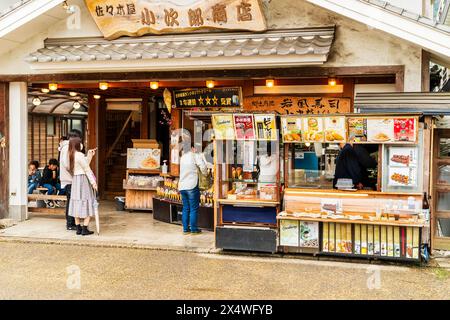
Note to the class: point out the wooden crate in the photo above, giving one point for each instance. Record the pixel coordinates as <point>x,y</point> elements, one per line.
<point>139,199</point>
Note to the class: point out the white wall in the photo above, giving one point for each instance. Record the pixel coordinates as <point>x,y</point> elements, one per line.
<point>415,6</point>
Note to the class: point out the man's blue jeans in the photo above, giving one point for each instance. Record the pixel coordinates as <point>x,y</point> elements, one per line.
<point>191,202</point>
<point>31,187</point>
<point>51,189</point>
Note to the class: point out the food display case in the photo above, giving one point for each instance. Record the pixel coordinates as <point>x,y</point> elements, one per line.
<point>384,220</point>
<point>168,203</point>
<point>247,178</point>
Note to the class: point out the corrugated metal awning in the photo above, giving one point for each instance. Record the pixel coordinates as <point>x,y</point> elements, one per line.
<point>431,103</point>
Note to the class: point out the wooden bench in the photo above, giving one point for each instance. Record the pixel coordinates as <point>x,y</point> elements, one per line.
<point>46,197</point>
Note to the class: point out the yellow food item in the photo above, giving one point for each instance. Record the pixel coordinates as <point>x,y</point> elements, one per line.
<point>318,136</point>
<point>296,137</point>
<point>381,137</point>
<point>288,137</point>
<point>149,163</point>
<point>337,136</point>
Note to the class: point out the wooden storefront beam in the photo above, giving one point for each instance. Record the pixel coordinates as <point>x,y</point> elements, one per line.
<point>279,73</point>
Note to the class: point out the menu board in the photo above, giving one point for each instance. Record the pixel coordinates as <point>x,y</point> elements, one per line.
<point>313,129</point>
<point>357,129</point>
<point>405,129</point>
<point>309,234</point>
<point>403,166</point>
<point>380,130</point>
<point>143,158</point>
<point>223,126</point>
<point>291,128</point>
<point>244,127</point>
<point>266,127</point>
<point>335,129</point>
<point>289,233</point>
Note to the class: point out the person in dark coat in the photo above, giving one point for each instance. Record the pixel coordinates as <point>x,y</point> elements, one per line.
<point>349,167</point>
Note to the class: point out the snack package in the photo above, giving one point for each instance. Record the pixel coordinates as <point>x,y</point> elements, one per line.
<point>383,240</point>
<point>325,237</point>
<point>415,245</point>
<point>357,239</point>
<point>332,243</point>
<point>390,241</point>
<point>338,238</point>
<point>397,242</point>
<point>370,240</point>
<point>376,236</point>
<point>409,242</point>
<point>363,239</point>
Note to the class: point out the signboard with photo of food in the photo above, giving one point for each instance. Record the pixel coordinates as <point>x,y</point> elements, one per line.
<point>380,130</point>
<point>266,127</point>
<point>335,129</point>
<point>403,156</point>
<point>406,177</point>
<point>405,129</point>
<point>143,158</point>
<point>313,129</point>
<point>292,129</point>
<point>309,234</point>
<point>289,233</point>
<point>357,130</point>
<point>223,126</point>
<point>244,127</point>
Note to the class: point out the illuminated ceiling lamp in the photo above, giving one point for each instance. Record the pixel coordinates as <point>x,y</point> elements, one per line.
<point>103,86</point>
<point>45,90</point>
<point>210,84</point>
<point>53,86</point>
<point>76,105</point>
<point>270,83</point>
<point>73,94</point>
<point>154,85</point>
<point>37,101</point>
<point>332,81</point>
<point>96,96</point>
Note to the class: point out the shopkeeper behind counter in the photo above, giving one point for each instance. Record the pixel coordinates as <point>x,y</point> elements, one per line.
<point>353,163</point>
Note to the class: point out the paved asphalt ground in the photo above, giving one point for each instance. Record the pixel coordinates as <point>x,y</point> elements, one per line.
<point>49,271</point>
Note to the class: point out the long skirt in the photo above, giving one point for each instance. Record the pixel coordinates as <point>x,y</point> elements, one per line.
<point>82,198</point>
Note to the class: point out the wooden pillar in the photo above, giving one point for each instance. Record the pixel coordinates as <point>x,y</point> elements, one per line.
<point>176,124</point>
<point>425,71</point>
<point>4,147</point>
<point>400,80</point>
<point>92,135</point>
<point>349,91</point>
<point>101,132</point>
<point>145,119</point>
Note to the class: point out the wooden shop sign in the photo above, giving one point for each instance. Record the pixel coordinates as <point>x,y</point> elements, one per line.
<point>297,105</point>
<point>208,98</point>
<point>116,18</point>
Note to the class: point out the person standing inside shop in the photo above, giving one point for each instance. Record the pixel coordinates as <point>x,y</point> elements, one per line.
<point>190,163</point>
<point>65,176</point>
<point>84,187</point>
<point>348,166</point>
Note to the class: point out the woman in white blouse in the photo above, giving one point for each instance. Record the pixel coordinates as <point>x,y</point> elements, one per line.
<point>84,188</point>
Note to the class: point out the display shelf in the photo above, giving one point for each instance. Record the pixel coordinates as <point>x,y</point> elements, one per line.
<point>248,181</point>
<point>144,171</point>
<point>368,222</point>
<point>180,203</point>
<point>249,202</point>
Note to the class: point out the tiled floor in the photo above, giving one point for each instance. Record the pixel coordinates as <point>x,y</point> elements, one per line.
<point>117,228</point>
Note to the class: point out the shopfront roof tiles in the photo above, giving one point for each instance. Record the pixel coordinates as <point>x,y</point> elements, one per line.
<point>311,41</point>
